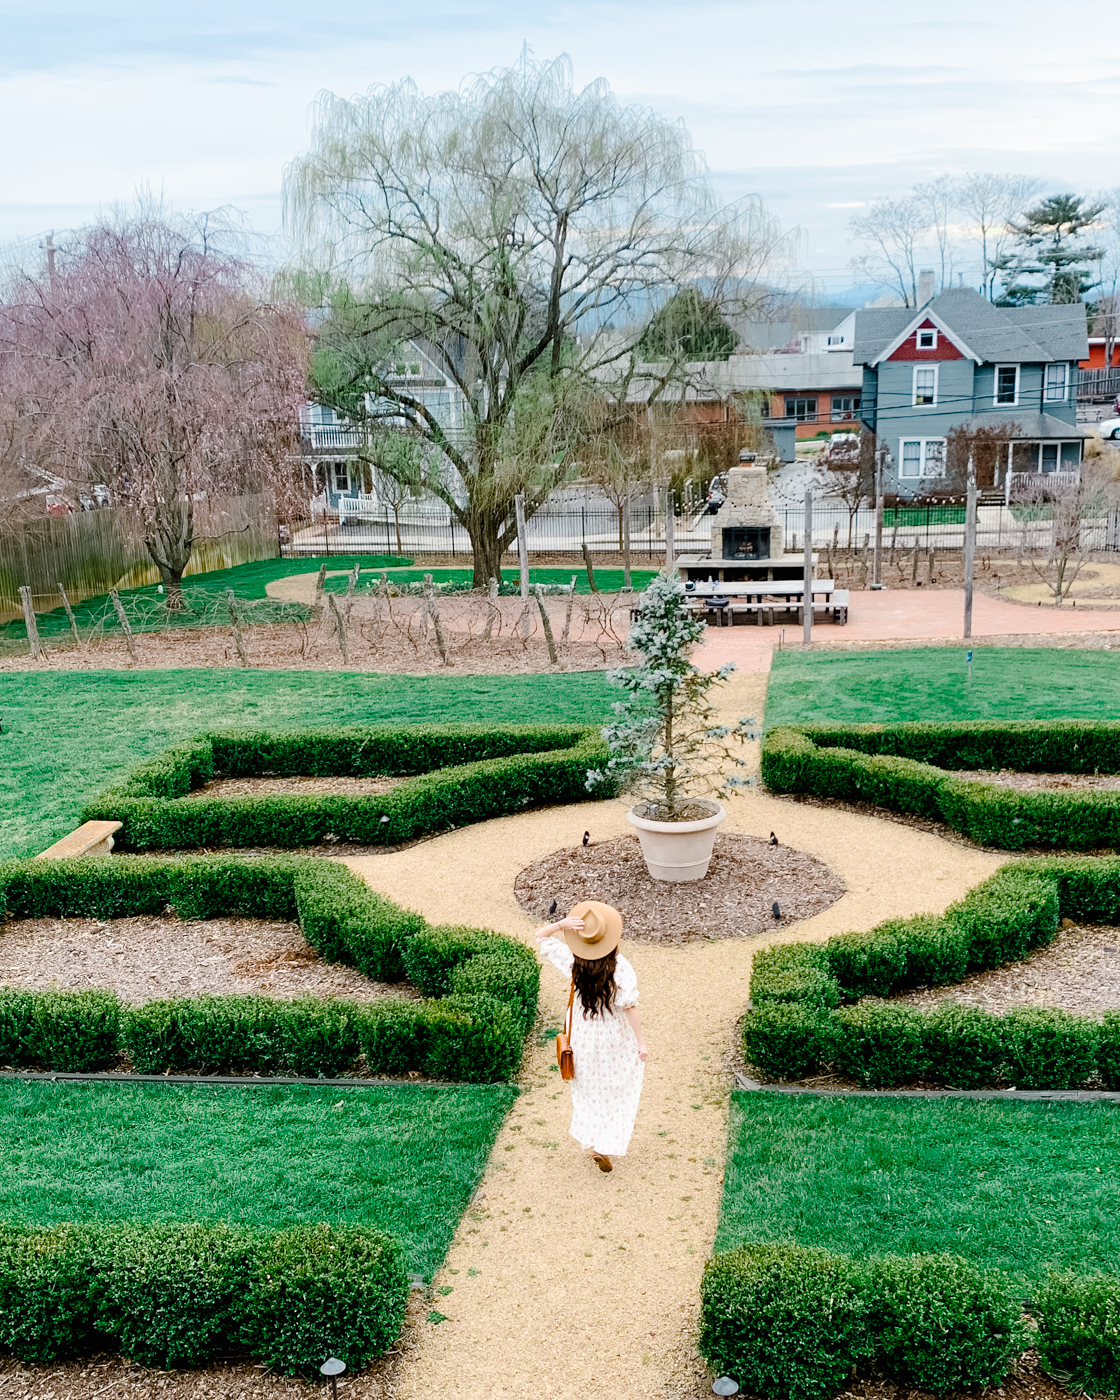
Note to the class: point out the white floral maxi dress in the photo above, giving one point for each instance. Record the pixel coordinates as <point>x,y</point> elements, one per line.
<point>608,1078</point>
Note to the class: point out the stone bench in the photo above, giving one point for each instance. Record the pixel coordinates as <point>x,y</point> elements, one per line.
<point>90,839</point>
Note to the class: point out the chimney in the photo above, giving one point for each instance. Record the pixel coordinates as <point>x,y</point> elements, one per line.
<point>925,286</point>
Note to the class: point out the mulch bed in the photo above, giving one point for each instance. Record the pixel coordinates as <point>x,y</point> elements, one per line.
<point>1038,782</point>
<point>332,786</point>
<point>146,958</point>
<point>746,878</point>
<point>1079,971</point>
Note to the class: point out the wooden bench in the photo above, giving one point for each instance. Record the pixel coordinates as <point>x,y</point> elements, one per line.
<point>90,839</point>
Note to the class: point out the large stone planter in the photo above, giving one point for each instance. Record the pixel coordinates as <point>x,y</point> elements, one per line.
<point>678,851</point>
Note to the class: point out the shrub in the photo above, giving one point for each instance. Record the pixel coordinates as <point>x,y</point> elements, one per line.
<point>200,1035</point>
<point>394,1035</point>
<point>474,1039</point>
<point>942,1324</point>
<point>172,1292</point>
<point>479,772</point>
<point>48,1297</point>
<point>345,921</point>
<point>794,972</point>
<point>321,1290</point>
<point>1108,1049</point>
<point>964,1046</point>
<point>1049,1049</point>
<point>880,1044</point>
<point>910,767</point>
<point>787,1040</point>
<point>1079,1331</point>
<point>17,1026</point>
<point>314,1039</point>
<point>783,1320</point>
<point>511,974</point>
<point>70,1032</point>
<point>871,963</point>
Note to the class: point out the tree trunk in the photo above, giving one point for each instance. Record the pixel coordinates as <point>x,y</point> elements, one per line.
<point>484,528</point>
<point>169,540</point>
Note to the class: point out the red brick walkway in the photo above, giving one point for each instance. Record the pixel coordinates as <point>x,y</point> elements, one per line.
<point>905,615</point>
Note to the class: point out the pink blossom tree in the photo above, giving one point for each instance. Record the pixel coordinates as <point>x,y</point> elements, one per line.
<point>148,360</point>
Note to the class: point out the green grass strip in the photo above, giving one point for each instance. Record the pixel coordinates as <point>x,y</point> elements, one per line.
<point>931,683</point>
<point>1023,1187</point>
<point>405,1159</point>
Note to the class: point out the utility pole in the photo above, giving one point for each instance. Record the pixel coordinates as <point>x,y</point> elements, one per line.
<point>877,569</point>
<point>670,543</point>
<point>807,600</point>
<point>969,544</point>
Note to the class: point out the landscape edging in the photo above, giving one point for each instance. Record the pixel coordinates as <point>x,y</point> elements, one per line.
<point>797,1023</point>
<point>495,770</point>
<point>900,766</point>
<point>470,1028</point>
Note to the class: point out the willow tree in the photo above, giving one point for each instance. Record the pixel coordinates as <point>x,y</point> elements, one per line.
<point>509,229</point>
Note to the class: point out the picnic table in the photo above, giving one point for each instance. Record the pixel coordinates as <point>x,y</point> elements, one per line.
<point>762,597</point>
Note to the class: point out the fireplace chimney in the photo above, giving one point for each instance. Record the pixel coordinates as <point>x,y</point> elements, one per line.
<point>925,286</point>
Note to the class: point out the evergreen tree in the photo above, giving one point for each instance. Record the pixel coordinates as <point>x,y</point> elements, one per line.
<point>1051,262</point>
<point>689,325</point>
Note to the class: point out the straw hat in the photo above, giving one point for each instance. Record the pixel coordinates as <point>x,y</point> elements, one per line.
<point>602,929</point>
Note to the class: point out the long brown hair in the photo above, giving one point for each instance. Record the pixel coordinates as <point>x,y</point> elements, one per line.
<point>594,979</point>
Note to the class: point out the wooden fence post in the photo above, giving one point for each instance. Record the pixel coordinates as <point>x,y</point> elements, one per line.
<point>546,623</point>
<point>29,620</point>
<point>339,627</point>
<point>238,635</point>
<point>568,615</point>
<point>73,621</point>
<point>122,618</point>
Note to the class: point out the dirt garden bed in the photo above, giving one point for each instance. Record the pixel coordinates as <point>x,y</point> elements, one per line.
<point>338,786</point>
<point>736,900</point>
<point>148,958</point>
<point>1043,782</point>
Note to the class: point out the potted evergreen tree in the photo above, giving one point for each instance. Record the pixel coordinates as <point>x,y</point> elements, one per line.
<point>664,743</point>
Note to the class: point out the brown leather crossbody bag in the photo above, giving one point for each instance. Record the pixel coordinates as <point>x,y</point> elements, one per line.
<point>564,1057</point>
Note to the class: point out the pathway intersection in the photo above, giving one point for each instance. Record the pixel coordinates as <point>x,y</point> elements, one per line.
<point>566,1282</point>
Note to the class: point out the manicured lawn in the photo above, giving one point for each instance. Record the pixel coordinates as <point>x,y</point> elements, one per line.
<point>606,580</point>
<point>405,1159</point>
<point>931,683</point>
<point>66,735</point>
<point>1021,1186</point>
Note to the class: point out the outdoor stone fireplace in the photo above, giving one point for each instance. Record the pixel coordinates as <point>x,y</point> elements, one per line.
<point>747,528</point>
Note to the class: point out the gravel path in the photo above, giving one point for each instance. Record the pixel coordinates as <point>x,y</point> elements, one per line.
<point>585,1284</point>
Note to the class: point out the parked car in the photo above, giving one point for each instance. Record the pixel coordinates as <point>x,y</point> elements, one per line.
<point>1109,428</point>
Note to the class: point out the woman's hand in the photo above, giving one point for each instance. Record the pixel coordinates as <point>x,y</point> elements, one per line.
<point>576,925</point>
<point>643,1051</point>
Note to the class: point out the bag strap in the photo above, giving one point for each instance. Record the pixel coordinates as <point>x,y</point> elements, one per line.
<point>568,1017</point>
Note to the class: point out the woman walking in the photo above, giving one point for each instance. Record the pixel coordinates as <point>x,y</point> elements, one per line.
<point>608,1047</point>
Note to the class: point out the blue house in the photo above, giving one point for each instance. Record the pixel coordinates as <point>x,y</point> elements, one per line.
<point>959,360</point>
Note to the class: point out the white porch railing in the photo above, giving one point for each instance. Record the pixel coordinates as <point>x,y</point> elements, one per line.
<point>320,436</point>
<point>1023,485</point>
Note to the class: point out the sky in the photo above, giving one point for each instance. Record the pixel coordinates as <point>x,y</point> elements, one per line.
<point>817,106</point>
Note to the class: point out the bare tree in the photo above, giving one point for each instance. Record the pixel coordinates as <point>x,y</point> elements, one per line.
<point>846,470</point>
<point>940,198</point>
<point>993,203</point>
<point>892,230</point>
<point>988,448</point>
<point>146,363</point>
<point>509,227</point>
<point>1065,506</point>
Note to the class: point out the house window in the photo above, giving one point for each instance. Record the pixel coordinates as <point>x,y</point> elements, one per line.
<point>341,477</point>
<point>925,384</point>
<point>1048,456</point>
<point>1057,379</point>
<point>804,410</point>
<point>845,407</point>
<point>1007,384</point>
<point>922,457</point>
<point>927,340</point>
<point>836,340</point>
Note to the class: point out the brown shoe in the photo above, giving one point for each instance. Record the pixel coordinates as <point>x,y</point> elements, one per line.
<point>602,1162</point>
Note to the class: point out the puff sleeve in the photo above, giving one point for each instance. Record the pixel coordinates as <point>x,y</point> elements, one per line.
<point>626,986</point>
<point>557,952</point>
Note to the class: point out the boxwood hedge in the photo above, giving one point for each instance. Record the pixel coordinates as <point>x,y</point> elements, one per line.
<point>802,1018</point>
<point>790,1322</point>
<point>181,1295</point>
<point>455,774</point>
<point>912,767</point>
<point>480,988</point>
